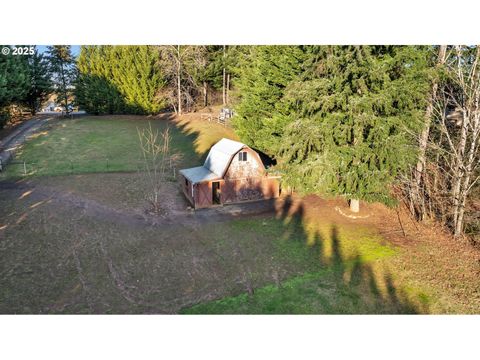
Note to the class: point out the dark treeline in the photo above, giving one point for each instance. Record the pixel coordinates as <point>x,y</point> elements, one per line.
<point>149,79</point>
<point>25,80</point>
<point>28,78</point>
<point>369,123</point>
<point>374,123</point>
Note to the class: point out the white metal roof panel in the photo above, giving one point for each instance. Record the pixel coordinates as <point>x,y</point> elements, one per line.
<point>199,174</point>
<point>220,155</point>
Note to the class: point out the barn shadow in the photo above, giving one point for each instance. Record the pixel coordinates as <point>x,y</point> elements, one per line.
<point>373,290</point>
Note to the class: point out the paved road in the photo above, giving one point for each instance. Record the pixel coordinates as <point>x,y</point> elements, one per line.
<point>10,143</point>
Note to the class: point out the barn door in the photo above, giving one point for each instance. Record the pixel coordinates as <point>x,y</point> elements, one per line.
<point>215,192</point>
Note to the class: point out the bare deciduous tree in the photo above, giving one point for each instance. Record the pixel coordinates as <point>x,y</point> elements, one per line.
<point>417,202</point>
<point>181,62</point>
<point>448,166</point>
<point>461,135</point>
<point>155,147</point>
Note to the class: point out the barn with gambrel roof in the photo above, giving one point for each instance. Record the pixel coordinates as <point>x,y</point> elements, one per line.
<point>232,173</point>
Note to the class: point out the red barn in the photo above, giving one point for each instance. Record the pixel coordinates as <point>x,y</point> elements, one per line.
<point>232,173</point>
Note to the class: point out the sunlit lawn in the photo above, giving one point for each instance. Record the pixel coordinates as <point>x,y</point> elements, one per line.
<point>109,144</point>
<point>345,275</point>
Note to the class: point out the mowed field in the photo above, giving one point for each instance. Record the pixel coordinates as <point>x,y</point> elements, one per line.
<point>75,238</point>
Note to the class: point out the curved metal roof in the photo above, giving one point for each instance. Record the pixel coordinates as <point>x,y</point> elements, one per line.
<point>216,163</point>
<point>221,154</point>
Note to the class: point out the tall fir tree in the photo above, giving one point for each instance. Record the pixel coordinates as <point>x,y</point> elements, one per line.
<point>357,111</point>
<point>62,66</point>
<point>94,88</point>
<point>263,77</point>
<point>39,82</point>
<point>119,79</point>
<point>14,82</point>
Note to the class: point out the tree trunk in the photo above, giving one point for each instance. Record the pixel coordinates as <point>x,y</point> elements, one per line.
<point>459,170</point>
<point>33,107</point>
<point>464,164</point>
<point>227,89</point>
<point>179,88</point>
<point>224,90</point>
<point>205,94</point>
<point>354,205</point>
<point>65,94</point>
<point>420,167</point>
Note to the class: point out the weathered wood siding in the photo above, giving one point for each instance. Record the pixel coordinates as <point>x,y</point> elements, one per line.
<point>243,181</point>
<point>187,189</point>
<point>251,168</point>
<point>203,195</point>
<point>257,188</point>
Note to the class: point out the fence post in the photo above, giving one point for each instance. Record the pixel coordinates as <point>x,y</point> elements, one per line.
<point>24,168</point>
<point>71,166</point>
<point>174,172</point>
<point>1,166</point>
<point>107,164</point>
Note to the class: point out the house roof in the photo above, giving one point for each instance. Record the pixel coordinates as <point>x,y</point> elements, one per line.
<point>221,154</point>
<point>216,163</point>
<point>199,174</point>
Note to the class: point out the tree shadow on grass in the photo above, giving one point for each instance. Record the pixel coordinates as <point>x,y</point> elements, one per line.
<point>359,286</point>
<point>202,135</point>
<point>318,272</point>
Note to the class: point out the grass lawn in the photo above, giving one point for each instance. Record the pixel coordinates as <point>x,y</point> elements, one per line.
<point>109,144</point>
<point>63,256</point>
<point>341,279</point>
<point>82,243</point>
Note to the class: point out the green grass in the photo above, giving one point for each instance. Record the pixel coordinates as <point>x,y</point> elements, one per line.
<point>293,265</point>
<point>99,144</point>
<point>338,273</point>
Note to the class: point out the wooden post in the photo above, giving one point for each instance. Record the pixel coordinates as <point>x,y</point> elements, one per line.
<point>24,168</point>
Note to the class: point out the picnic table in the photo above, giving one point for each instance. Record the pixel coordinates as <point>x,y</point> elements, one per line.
<point>221,118</point>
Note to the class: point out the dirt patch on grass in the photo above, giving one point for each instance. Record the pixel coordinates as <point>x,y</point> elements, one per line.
<point>71,245</point>
<point>83,244</point>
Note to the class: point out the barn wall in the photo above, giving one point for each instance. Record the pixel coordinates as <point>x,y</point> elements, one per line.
<point>203,195</point>
<point>187,190</point>
<point>253,167</point>
<point>249,189</point>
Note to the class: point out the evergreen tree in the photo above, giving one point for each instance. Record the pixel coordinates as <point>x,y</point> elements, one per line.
<point>138,78</point>
<point>14,81</point>
<point>62,66</point>
<point>355,111</point>
<point>94,88</point>
<point>39,82</point>
<point>263,77</point>
<point>120,79</point>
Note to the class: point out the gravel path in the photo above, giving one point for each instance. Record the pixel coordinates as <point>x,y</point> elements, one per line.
<point>10,143</point>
